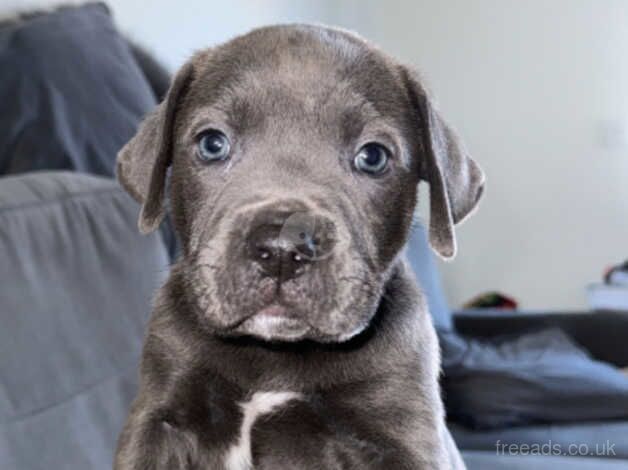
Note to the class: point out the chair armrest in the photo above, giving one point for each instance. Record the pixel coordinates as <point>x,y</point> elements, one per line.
<point>604,333</point>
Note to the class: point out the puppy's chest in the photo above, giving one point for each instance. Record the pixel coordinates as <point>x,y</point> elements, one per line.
<point>240,430</point>
<point>239,455</point>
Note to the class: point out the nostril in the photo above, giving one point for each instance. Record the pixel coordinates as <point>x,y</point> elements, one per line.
<point>263,253</point>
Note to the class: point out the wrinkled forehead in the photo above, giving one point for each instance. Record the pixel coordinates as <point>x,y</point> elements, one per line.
<point>326,81</point>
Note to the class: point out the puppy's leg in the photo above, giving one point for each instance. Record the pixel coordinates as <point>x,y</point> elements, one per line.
<point>150,442</point>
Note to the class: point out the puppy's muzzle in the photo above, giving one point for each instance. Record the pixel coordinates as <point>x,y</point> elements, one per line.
<point>286,244</point>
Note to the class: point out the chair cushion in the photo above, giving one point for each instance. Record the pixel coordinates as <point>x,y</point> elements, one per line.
<point>76,283</point>
<point>74,95</point>
<point>537,377</point>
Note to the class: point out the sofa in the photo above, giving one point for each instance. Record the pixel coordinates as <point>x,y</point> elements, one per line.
<point>76,279</point>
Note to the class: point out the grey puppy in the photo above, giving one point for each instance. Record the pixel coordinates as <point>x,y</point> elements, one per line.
<point>291,333</point>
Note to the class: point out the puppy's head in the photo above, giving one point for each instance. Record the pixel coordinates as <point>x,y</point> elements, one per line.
<point>295,154</point>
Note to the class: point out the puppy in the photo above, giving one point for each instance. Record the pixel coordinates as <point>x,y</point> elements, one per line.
<point>291,334</point>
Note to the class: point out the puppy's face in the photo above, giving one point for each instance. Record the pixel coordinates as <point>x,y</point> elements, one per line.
<point>295,156</point>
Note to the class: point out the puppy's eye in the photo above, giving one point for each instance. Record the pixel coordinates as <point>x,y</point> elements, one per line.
<point>213,146</point>
<point>372,158</point>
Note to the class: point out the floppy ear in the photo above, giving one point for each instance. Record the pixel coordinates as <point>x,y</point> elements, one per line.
<point>456,181</point>
<point>143,162</point>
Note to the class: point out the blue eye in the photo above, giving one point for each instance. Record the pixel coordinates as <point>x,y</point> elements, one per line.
<point>372,158</point>
<point>213,146</point>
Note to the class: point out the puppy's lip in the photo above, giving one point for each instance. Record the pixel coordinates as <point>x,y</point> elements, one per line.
<point>274,310</point>
<point>273,323</point>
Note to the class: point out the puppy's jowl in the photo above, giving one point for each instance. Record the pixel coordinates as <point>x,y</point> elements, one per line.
<point>291,333</point>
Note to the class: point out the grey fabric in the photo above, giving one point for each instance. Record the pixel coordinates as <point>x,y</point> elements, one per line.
<point>536,377</point>
<point>421,258</point>
<point>490,461</point>
<point>71,91</point>
<point>154,71</point>
<point>76,280</point>
<point>75,94</point>
<point>592,434</point>
<point>602,334</point>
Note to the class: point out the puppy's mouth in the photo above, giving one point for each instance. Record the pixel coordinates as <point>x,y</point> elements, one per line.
<point>320,305</point>
<point>274,310</point>
<point>260,283</point>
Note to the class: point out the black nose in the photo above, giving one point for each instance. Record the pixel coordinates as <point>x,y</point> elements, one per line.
<point>286,245</point>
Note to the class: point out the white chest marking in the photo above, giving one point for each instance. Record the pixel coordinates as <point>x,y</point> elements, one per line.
<point>239,456</point>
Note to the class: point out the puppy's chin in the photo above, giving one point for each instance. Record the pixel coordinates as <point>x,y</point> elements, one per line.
<point>269,327</point>
<point>276,324</point>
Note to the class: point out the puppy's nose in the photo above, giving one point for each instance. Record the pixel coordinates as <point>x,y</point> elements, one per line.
<point>284,248</point>
<point>275,252</point>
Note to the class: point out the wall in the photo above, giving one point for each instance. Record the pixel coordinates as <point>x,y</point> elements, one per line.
<point>177,29</point>
<point>539,91</point>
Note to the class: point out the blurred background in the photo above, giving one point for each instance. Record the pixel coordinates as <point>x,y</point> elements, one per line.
<point>538,91</point>
<point>532,314</point>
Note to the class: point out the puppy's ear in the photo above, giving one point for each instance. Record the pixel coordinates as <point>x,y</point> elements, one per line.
<point>143,162</point>
<point>455,179</point>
